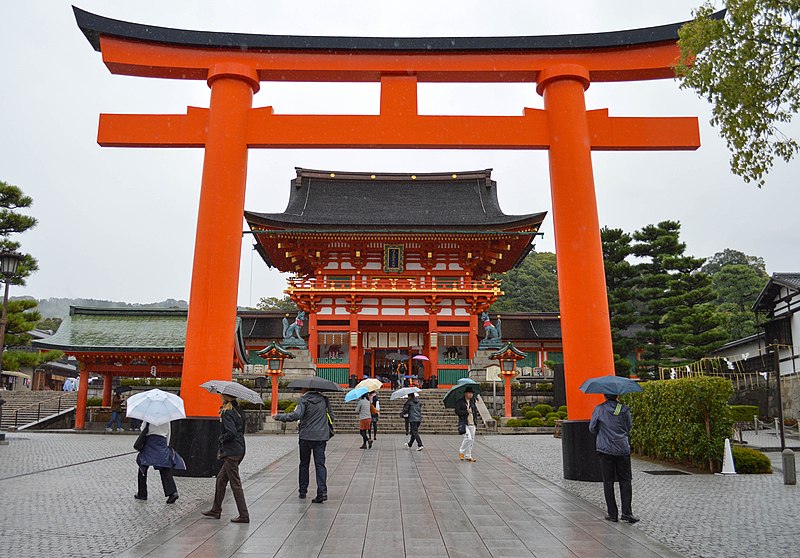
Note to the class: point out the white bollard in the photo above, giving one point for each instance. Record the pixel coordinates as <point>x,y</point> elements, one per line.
<point>728,467</point>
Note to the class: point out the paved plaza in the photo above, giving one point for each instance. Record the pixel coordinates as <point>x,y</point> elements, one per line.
<point>72,495</point>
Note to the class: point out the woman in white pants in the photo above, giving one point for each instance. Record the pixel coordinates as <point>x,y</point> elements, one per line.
<point>467,413</point>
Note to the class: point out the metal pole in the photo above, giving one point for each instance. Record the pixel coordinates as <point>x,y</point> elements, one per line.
<point>3,321</point>
<point>780,401</point>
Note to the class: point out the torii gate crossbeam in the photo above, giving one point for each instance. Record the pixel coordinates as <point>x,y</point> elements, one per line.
<point>234,65</point>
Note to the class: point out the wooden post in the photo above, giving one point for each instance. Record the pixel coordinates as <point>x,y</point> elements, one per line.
<point>108,379</point>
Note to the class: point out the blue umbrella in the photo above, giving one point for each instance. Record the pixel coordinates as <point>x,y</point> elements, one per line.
<point>612,385</point>
<point>355,394</point>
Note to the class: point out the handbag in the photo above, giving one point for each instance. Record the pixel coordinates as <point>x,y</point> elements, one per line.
<point>462,428</point>
<point>141,439</point>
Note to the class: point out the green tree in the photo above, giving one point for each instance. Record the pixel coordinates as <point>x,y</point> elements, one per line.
<point>274,304</point>
<point>51,324</point>
<point>734,257</point>
<point>737,288</point>
<point>530,287</point>
<point>12,222</point>
<point>747,65</point>
<point>620,278</point>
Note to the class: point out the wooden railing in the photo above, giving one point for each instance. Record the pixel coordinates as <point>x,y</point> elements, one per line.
<point>388,284</point>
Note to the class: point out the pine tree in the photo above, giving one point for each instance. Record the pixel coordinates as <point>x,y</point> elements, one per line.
<point>620,277</point>
<point>530,287</point>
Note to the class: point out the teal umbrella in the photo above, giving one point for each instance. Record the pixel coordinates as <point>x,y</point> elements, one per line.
<point>457,392</point>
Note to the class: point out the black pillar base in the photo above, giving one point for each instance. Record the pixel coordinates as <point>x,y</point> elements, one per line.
<point>196,440</point>
<point>578,452</point>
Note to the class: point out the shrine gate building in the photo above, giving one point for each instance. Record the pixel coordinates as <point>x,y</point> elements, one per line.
<point>390,262</point>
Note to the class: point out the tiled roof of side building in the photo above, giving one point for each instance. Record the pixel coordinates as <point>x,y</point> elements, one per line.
<point>332,199</point>
<point>765,300</point>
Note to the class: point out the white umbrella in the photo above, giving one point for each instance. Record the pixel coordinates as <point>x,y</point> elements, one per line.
<point>233,389</point>
<point>403,392</point>
<point>372,384</point>
<point>155,406</point>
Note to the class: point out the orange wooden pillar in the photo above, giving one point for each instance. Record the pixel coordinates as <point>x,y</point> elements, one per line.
<point>473,336</point>
<point>585,324</point>
<point>274,376</point>
<point>433,347</point>
<point>83,392</point>
<point>108,379</point>
<point>313,337</point>
<point>215,273</point>
<point>353,347</point>
<point>507,403</point>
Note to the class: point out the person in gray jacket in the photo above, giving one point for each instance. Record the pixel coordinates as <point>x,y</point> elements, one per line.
<point>611,423</point>
<point>413,408</point>
<point>313,410</point>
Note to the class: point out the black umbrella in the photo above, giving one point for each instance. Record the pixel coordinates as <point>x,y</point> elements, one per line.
<point>397,356</point>
<point>315,382</point>
<point>122,389</point>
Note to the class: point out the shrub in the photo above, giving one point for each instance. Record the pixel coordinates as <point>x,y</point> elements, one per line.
<point>155,382</point>
<point>551,421</point>
<point>545,386</point>
<point>532,414</point>
<point>525,409</point>
<point>743,413</point>
<point>552,415</point>
<point>750,461</point>
<point>685,420</point>
<point>543,409</point>
<point>514,422</point>
<point>562,409</point>
<point>562,415</point>
<point>94,402</point>
<point>536,422</point>
<point>291,407</point>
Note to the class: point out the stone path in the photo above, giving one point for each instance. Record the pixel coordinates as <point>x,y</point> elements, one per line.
<point>391,502</point>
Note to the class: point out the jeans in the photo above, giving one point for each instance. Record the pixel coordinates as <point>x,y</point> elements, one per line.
<point>616,467</point>
<point>230,472</point>
<point>318,449</point>
<point>115,415</point>
<point>468,442</point>
<point>167,481</point>
<point>415,434</point>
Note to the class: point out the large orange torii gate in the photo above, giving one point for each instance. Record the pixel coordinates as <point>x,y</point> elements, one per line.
<point>234,65</point>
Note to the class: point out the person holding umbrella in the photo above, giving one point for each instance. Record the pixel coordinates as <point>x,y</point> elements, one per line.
<point>611,423</point>
<point>467,413</point>
<point>364,420</point>
<point>231,452</point>
<point>316,419</point>
<point>157,409</point>
<point>413,408</point>
<point>116,413</point>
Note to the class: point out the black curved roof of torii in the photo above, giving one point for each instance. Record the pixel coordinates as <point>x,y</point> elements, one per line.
<point>93,26</point>
<point>463,201</point>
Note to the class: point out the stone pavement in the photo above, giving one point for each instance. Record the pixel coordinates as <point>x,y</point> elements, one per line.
<point>700,515</point>
<point>391,501</point>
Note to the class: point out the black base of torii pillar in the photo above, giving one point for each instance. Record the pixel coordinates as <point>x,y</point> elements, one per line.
<point>578,452</point>
<point>196,440</point>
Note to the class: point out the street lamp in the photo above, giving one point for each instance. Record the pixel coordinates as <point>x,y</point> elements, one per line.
<point>9,261</point>
<point>508,356</point>
<point>274,354</point>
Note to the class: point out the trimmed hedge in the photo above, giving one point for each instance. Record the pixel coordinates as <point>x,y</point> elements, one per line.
<point>533,415</point>
<point>743,413</point>
<point>551,421</point>
<point>562,415</point>
<point>562,409</point>
<point>750,461</point>
<point>514,422</point>
<point>94,402</point>
<point>543,409</point>
<point>536,422</point>
<point>685,420</point>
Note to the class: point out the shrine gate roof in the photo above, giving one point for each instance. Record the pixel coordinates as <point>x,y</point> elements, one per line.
<point>464,201</point>
<point>146,330</point>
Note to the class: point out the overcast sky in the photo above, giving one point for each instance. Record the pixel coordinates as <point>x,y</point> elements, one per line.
<point>119,223</point>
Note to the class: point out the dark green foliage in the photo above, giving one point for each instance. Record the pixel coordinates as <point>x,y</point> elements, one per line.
<point>551,421</point>
<point>552,415</point>
<point>620,283</point>
<point>153,382</point>
<point>685,420</point>
<point>49,324</point>
<point>743,413</point>
<point>562,409</point>
<point>533,414</point>
<point>514,422</point>
<point>275,304</point>
<point>544,386</point>
<point>715,263</point>
<point>536,422</point>
<point>543,409</point>
<point>737,287</point>
<point>14,360</point>
<point>530,287</point>
<point>94,401</point>
<point>12,222</point>
<point>749,461</point>
<point>562,415</point>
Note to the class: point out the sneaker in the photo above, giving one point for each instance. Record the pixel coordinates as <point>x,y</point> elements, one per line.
<point>108,430</point>
<point>420,448</point>
<point>461,456</point>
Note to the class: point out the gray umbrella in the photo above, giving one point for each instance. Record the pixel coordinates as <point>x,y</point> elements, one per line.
<point>315,382</point>
<point>233,389</point>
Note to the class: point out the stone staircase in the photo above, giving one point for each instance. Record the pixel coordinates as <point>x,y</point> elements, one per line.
<point>436,419</point>
<point>25,407</point>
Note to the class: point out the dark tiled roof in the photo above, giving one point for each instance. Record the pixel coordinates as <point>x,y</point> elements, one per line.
<point>394,201</point>
<point>765,300</point>
<point>266,325</point>
<point>524,326</point>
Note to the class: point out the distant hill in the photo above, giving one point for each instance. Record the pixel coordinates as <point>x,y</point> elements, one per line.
<point>59,307</point>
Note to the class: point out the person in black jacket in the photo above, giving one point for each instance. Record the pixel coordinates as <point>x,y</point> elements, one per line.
<point>231,452</point>
<point>467,413</point>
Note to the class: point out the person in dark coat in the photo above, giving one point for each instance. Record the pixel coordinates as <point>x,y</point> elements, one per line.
<point>116,413</point>
<point>413,408</point>
<point>315,415</point>
<point>157,454</point>
<point>231,452</point>
<point>467,413</point>
<point>611,423</point>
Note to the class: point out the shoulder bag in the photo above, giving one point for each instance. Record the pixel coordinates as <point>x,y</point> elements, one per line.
<point>138,445</point>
